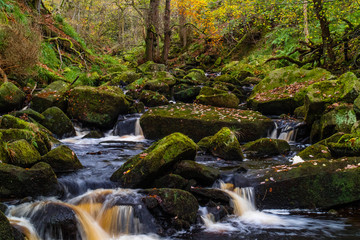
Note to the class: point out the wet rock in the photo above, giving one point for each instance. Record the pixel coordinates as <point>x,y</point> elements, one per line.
<point>52,95</point>
<point>58,123</point>
<point>39,180</point>
<point>203,174</point>
<point>312,184</point>
<point>126,77</point>
<point>266,147</point>
<point>172,207</point>
<point>142,169</point>
<point>98,107</point>
<point>284,89</point>
<point>22,154</point>
<point>29,115</point>
<point>62,159</point>
<point>152,99</point>
<point>205,195</point>
<point>94,134</point>
<point>6,231</point>
<point>11,97</point>
<point>171,181</point>
<point>218,98</point>
<point>186,93</point>
<point>199,121</point>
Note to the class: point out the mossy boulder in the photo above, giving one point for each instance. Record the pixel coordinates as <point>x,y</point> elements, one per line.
<point>62,159</point>
<point>58,123</point>
<point>203,174</point>
<point>171,181</point>
<point>357,107</point>
<point>284,89</point>
<point>152,99</point>
<point>218,98</point>
<point>199,121</point>
<point>142,169</point>
<point>11,97</point>
<point>186,93</point>
<point>6,230</point>
<point>94,134</point>
<point>52,95</point>
<point>39,180</point>
<point>151,67</point>
<point>172,207</point>
<point>266,147</point>
<point>316,151</point>
<point>312,184</point>
<point>225,145</point>
<point>126,77</point>
<point>22,153</point>
<point>195,77</point>
<point>157,85</point>
<point>29,115</point>
<point>41,143</point>
<point>98,107</point>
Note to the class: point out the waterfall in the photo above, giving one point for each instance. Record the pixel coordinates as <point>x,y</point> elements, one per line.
<point>286,130</point>
<point>96,215</point>
<point>128,125</point>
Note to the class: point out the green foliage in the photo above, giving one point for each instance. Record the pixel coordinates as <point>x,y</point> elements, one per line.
<point>48,56</point>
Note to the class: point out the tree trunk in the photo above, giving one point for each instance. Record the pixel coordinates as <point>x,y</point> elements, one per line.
<point>152,31</point>
<point>182,28</point>
<point>167,31</point>
<point>325,31</point>
<point>306,22</point>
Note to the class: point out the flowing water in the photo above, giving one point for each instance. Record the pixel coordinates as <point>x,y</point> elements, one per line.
<point>94,208</point>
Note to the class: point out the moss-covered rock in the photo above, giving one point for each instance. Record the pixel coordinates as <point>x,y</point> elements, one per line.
<point>22,153</point>
<point>6,230</point>
<point>142,169</point>
<point>218,98</point>
<point>186,93</point>
<point>62,159</point>
<point>195,77</point>
<point>39,180</point>
<point>198,121</point>
<point>203,174</point>
<point>94,134</point>
<point>312,184</point>
<point>225,145</point>
<point>58,123</point>
<point>11,97</point>
<point>172,207</point>
<point>316,151</point>
<point>284,89</point>
<point>205,143</point>
<point>152,99</point>
<point>266,147</point>
<point>29,115</point>
<point>52,95</point>
<point>151,67</point>
<point>126,77</point>
<point>171,181</point>
<point>157,86</point>
<point>357,107</point>
<point>38,141</point>
<point>97,107</point>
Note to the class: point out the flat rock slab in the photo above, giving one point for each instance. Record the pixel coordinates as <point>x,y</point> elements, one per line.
<point>198,121</point>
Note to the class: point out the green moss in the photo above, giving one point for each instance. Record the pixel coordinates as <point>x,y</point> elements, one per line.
<point>316,151</point>
<point>58,123</point>
<point>6,231</point>
<point>62,159</point>
<point>266,147</point>
<point>218,98</point>
<point>11,97</point>
<point>22,153</point>
<point>48,55</point>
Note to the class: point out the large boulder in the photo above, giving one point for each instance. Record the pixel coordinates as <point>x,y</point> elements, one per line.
<point>58,123</point>
<point>11,97</point>
<point>98,107</point>
<point>150,66</point>
<point>266,147</point>
<point>199,121</point>
<point>126,77</point>
<point>218,98</point>
<point>22,153</point>
<point>312,184</point>
<point>172,181</point>
<point>62,159</point>
<point>223,144</point>
<point>283,90</point>
<point>6,230</point>
<point>195,77</point>
<point>52,95</point>
<point>156,161</point>
<point>152,99</point>
<point>203,174</point>
<point>39,180</point>
<point>186,93</point>
<point>172,207</point>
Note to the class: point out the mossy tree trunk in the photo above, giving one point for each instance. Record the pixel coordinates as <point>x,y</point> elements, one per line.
<point>167,31</point>
<point>152,41</point>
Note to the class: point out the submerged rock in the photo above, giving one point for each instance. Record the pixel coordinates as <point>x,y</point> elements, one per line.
<point>39,180</point>
<point>52,95</point>
<point>173,208</point>
<point>199,121</point>
<point>11,97</point>
<point>142,169</point>
<point>266,147</point>
<point>97,107</point>
<point>58,123</point>
<point>218,98</point>
<point>62,159</point>
<point>312,184</point>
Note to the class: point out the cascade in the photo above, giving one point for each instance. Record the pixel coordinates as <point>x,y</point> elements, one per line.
<point>128,125</point>
<point>286,130</point>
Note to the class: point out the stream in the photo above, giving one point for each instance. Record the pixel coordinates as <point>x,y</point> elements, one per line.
<point>105,212</point>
